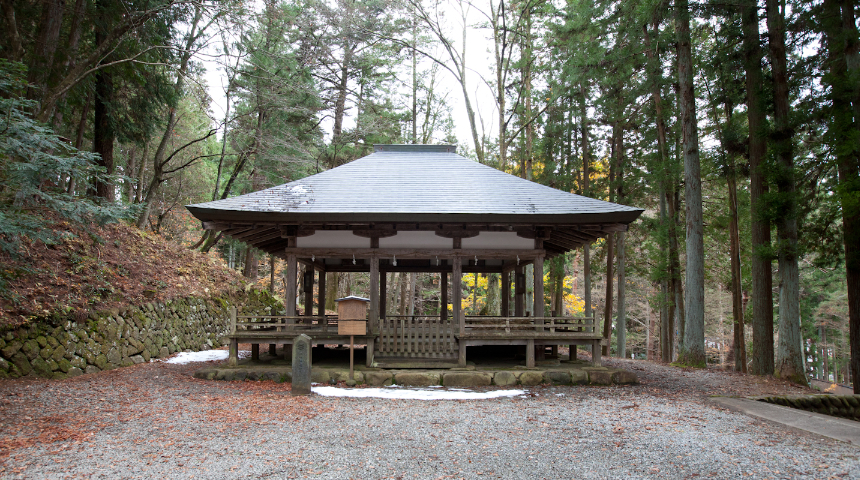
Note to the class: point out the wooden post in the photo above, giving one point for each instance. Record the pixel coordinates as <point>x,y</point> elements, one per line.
<point>369,359</point>
<point>321,295</point>
<point>308,284</point>
<point>272,274</point>
<point>374,294</point>
<point>530,353</point>
<point>290,298</point>
<point>519,292</point>
<point>443,288</point>
<point>383,295</point>
<point>233,359</point>
<point>456,300</point>
<point>351,343</point>
<point>255,352</point>
<point>290,295</point>
<point>539,301</point>
<point>272,348</point>
<point>506,293</point>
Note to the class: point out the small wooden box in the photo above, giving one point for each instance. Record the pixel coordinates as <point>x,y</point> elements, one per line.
<point>352,327</point>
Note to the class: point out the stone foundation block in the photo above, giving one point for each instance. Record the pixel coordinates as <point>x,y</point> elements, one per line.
<point>378,379</point>
<point>557,377</point>
<point>531,378</point>
<point>466,379</point>
<point>624,377</point>
<point>417,379</point>
<point>504,379</point>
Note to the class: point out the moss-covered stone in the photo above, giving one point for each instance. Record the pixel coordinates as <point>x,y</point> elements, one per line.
<point>92,369</point>
<point>557,377</point>
<point>100,361</point>
<point>64,365</point>
<point>578,377</point>
<point>531,378</point>
<point>31,349</point>
<point>378,378</point>
<point>466,379</point>
<point>46,352</point>
<point>504,379</point>
<point>114,356</point>
<point>599,376</point>
<point>417,379</point>
<point>41,367</point>
<point>11,348</point>
<point>53,342</point>
<point>42,341</point>
<point>22,363</point>
<point>74,372</point>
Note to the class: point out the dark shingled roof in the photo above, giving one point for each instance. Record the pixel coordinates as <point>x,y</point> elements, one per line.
<point>414,183</point>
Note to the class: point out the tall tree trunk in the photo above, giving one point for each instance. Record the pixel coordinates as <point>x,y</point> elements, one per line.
<point>103,133</point>
<point>251,264</point>
<point>45,46</point>
<point>789,356</point>
<point>167,136</point>
<point>340,103</point>
<point>621,323</point>
<point>693,351</point>
<point>415,81</point>
<point>666,320</point>
<point>740,350</point>
<point>130,172</point>
<point>762,279</point>
<point>842,44</point>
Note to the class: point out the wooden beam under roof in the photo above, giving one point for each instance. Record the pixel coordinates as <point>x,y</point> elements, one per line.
<point>413,253</point>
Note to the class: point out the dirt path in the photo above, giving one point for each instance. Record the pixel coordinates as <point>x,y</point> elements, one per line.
<point>157,421</point>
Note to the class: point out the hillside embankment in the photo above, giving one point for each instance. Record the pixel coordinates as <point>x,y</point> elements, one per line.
<point>104,297</point>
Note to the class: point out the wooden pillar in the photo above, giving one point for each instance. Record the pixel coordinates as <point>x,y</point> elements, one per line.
<point>456,300</point>
<point>519,292</point>
<point>383,294</point>
<point>374,294</point>
<point>321,295</point>
<point>255,352</point>
<point>233,355</point>
<point>530,353</point>
<point>506,293</point>
<point>443,288</point>
<point>290,296</point>
<point>538,300</point>
<point>308,284</point>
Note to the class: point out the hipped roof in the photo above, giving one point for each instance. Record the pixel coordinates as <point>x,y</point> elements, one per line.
<point>414,183</point>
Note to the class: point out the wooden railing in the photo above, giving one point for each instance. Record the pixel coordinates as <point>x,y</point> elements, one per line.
<point>416,335</point>
<point>287,325</point>
<point>540,324</point>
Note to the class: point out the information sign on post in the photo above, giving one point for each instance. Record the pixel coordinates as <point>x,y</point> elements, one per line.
<point>352,320</point>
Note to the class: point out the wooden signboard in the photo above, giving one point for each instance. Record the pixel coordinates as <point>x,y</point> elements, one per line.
<point>352,327</point>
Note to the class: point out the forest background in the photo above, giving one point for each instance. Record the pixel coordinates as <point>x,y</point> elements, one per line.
<point>736,125</point>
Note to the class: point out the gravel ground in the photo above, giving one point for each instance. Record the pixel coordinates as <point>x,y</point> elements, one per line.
<point>156,421</point>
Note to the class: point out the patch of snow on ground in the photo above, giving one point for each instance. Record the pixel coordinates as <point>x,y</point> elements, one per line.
<point>413,393</point>
<point>203,356</point>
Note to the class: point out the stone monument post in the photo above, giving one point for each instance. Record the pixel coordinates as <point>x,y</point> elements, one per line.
<point>301,365</point>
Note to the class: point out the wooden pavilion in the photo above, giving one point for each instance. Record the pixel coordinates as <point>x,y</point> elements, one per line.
<point>417,208</point>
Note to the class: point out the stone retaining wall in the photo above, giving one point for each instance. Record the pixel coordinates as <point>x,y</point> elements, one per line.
<point>846,406</point>
<point>58,348</point>
<point>424,378</point>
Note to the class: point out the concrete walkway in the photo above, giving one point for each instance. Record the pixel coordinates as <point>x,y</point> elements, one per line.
<point>824,425</point>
